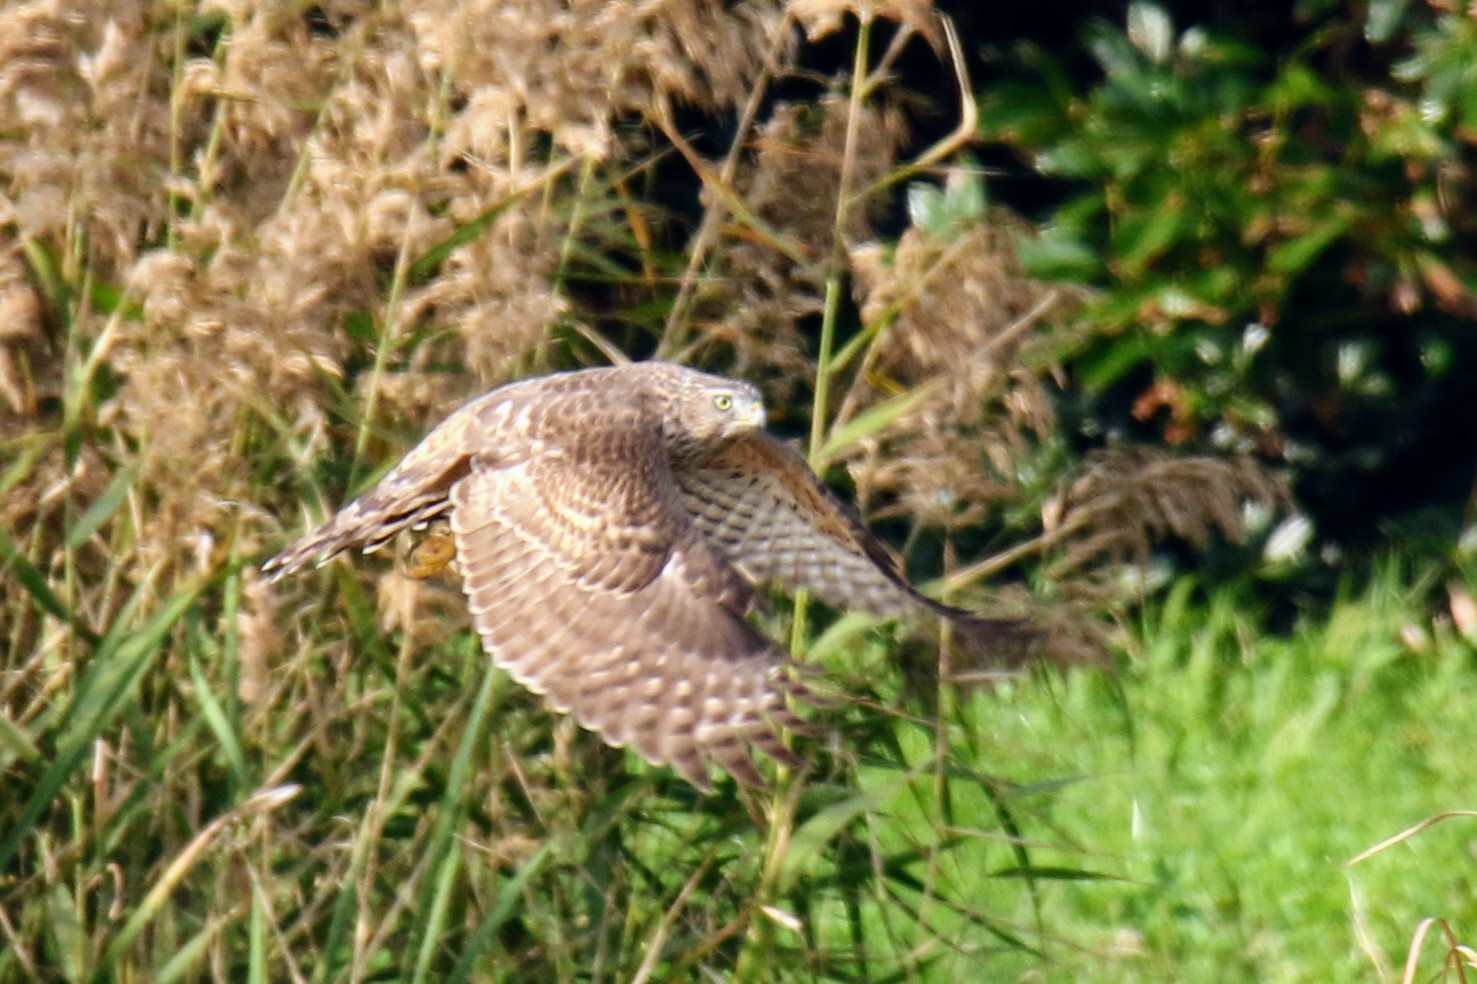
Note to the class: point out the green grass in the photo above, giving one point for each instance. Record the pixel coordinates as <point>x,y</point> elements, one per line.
<point>1232,778</point>
<point>1189,819</point>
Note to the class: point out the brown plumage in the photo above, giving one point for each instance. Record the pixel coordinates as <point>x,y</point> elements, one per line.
<point>609,527</point>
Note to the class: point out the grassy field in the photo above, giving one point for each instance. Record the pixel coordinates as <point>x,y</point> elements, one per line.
<point>1234,776</point>
<point>252,253</point>
<point>378,814</point>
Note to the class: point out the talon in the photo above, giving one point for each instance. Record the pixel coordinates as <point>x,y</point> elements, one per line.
<point>432,555</point>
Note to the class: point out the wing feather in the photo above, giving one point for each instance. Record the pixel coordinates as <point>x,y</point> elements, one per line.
<point>757,500</point>
<point>589,585</point>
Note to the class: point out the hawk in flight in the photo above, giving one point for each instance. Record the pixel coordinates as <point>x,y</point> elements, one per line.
<point>610,526</point>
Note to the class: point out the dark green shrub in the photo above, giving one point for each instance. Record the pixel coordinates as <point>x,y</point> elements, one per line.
<point>1283,248</point>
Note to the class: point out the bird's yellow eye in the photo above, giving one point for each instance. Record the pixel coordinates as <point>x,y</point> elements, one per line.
<point>724,402</point>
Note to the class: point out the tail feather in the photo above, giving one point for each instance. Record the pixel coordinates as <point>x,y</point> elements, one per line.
<point>358,524</point>
<point>1008,642</point>
<point>413,493</point>
<point>1002,642</point>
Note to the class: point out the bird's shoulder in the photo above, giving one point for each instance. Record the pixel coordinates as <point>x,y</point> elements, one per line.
<point>579,415</point>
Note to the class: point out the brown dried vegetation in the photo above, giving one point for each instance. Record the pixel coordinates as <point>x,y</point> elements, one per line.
<point>959,317</point>
<point>1128,499</point>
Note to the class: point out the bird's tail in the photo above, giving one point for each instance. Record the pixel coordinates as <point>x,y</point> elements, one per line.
<point>999,641</point>
<point>407,497</point>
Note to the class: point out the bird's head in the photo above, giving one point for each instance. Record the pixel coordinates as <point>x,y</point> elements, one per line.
<point>711,409</point>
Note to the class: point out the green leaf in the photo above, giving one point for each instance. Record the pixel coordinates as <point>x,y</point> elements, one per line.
<point>1141,237</point>
<point>1111,362</point>
<point>1053,873</point>
<point>809,840</point>
<point>872,420</point>
<point>359,325</point>
<point>1058,255</point>
<point>943,212</point>
<point>15,737</point>
<point>1384,19</point>
<point>1151,31</point>
<point>1294,255</point>
<point>842,635</point>
<point>48,275</point>
<point>20,467</point>
<point>1296,87</point>
<point>184,959</point>
<point>110,300</point>
<point>427,265</point>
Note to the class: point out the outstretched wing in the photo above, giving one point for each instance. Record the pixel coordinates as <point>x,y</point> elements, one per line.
<point>588,584</point>
<point>757,500</point>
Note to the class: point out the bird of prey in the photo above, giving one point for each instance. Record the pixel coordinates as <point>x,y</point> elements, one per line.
<point>610,527</point>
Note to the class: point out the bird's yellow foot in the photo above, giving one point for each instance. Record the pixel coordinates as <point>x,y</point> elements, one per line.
<point>432,554</point>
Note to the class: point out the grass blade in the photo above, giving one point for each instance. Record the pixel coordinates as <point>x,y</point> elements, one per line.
<point>444,860</point>
<point>872,420</point>
<point>35,585</point>
<point>102,507</point>
<point>15,738</point>
<point>175,872</point>
<point>184,959</point>
<point>219,723</point>
<point>810,838</point>
<point>116,674</point>
<point>508,898</point>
